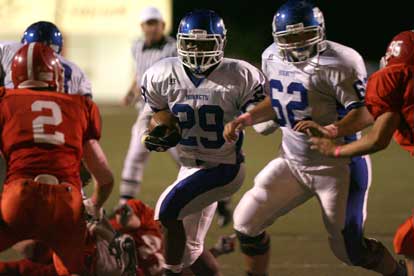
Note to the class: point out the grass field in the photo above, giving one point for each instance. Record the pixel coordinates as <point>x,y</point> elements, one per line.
<point>299,243</point>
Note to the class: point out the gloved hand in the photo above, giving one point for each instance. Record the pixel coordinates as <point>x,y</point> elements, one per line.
<point>161,138</point>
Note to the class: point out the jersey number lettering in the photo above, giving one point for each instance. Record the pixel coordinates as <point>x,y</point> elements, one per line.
<point>210,119</point>
<point>290,108</point>
<point>55,119</point>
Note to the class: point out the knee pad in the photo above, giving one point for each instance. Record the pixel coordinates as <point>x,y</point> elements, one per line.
<point>404,239</point>
<point>252,246</point>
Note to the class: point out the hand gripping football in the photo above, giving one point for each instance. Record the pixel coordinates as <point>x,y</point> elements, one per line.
<point>164,131</point>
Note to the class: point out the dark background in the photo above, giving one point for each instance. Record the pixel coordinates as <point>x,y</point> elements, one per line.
<point>368,29</point>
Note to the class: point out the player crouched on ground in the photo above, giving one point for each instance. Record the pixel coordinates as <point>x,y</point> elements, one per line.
<point>108,249</point>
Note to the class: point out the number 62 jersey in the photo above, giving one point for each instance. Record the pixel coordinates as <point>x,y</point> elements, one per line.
<point>315,90</point>
<point>44,133</point>
<point>204,108</point>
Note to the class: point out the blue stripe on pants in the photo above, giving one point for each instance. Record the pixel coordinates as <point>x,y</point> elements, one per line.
<point>196,184</point>
<point>353,232</point>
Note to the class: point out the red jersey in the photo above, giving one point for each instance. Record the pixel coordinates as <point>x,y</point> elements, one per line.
<point>392,90</point>
<point>148,239</point>
<point>43,133</point>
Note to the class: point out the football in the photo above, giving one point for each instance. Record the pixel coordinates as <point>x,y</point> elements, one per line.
<point>164,118</point>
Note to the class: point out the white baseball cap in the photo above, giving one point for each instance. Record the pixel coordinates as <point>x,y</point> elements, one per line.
<point>150,13</point>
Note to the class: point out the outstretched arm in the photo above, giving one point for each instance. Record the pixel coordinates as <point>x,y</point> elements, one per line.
<point>378,138</point>
<point>261,113</point>
<point>356,120</point>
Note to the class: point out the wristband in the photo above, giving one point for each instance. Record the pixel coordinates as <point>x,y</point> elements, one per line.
<point>245,119</point>
<point>173,268</point>
<point>337,152</point>
<point>332,130</point>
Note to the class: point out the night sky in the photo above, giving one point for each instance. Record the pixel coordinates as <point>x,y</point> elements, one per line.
<point>366,29</point>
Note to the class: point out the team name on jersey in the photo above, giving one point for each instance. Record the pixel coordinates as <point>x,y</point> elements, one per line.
<point>286,73</point>
<point>197,97</point>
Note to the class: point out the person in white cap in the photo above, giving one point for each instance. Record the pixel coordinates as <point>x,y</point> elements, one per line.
<point>146,51</point>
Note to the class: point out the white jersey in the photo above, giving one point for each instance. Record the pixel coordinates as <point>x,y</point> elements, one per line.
<point>75,81</point>
<point>203,110</point>
<point>313,91</point>
<point>145,57</point>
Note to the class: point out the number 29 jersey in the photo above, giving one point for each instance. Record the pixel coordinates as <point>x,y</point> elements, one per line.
<point>204,109</point>
<point>44,132</point>
<point>314,90</point>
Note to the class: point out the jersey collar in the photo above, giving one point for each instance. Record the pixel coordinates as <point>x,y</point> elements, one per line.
<point>197,80</point>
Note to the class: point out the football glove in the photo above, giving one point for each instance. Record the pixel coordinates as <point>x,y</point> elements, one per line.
<point>161,138</point>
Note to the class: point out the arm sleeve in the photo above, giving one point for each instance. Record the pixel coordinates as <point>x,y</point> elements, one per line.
<point>94,128</point>
<point>270,126</point>
<point>384,92</point>
<point>350,84</point>
<point>254,91</point>
<point>266,128</point>
<point>143,120</point>
<point>85,86</point>
<point>151,93</point>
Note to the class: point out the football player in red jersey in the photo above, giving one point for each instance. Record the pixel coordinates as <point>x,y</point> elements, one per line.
<point>133,219</point>
<point>390,99</point>
<point>137,220</point>
<point>102,252</point>
<point>44,136</point>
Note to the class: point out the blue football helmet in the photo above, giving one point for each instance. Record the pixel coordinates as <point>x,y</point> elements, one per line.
<point>44,32</point>
<point>299,31</point>
<point>201,39</point>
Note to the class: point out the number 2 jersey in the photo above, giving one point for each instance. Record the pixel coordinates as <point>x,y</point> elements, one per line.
<point>204,108</point>
<point>314,90</point>
<point>44,132</point>
<point>391,89</point>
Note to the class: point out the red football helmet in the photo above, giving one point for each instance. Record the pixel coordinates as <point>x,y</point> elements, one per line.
<point>35,65</point>
<point>400,50</point>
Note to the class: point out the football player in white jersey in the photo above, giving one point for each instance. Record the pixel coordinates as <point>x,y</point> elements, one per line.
<point>76,81</point>
<point>205,91</point>
<point>147,51</point>
<point>309,77</point>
